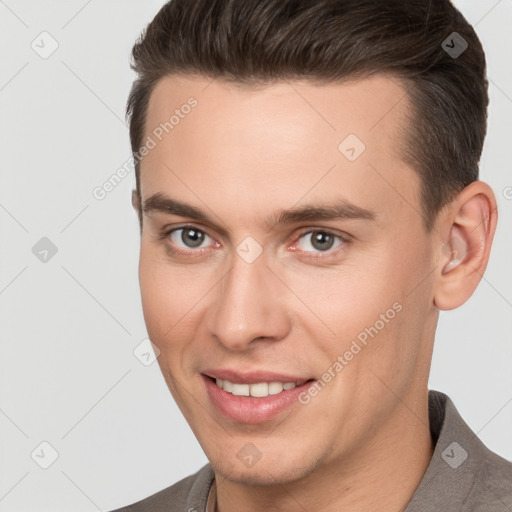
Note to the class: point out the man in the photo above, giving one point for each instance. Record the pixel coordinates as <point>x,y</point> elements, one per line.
<point>261,131</point>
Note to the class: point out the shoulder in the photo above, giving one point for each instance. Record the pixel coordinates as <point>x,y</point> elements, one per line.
<point>187,495</point>
<point>493,486</point>
<point>464,475</point>
<point>491,475</point>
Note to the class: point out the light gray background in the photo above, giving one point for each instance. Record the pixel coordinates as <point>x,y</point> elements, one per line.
<point>69,326</point>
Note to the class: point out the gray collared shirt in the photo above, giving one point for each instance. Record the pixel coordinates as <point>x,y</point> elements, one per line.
<point>463,474</point>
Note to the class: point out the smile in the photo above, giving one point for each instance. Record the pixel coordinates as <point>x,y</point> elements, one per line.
<point>258,389</point>
<point>253,402</point>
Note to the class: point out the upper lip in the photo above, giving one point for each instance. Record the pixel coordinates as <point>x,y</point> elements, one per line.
<point>252,377</point>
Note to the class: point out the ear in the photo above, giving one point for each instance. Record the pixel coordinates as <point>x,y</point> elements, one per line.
<point>467,230</point>
<point>135,200</point>
<point>137,207</point>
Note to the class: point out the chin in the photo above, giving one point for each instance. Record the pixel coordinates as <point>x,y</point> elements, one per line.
<point>263,473</point>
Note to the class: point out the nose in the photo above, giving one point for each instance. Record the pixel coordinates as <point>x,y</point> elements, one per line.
<point>249,305</point>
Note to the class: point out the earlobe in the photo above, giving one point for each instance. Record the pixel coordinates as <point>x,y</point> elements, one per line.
<point>467,232</point>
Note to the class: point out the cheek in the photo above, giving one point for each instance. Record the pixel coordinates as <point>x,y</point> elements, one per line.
<point>160,298</point>
<point>388,314</point>
<point>346,299</point>
<point>361,307</point>
<point>171,295</point>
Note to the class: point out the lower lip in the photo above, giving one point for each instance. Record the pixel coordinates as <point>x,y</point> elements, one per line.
<point>251,409</point>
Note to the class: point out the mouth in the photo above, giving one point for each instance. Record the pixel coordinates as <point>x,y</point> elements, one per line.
<point>257,389</point>
<point>255,402</point>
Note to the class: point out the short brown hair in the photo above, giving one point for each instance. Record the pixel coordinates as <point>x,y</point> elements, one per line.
<point>261,41</point>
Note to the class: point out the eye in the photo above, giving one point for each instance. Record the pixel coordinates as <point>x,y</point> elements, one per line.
<point>188,237</point>
<point>320,240</point>
<point>186,241</point>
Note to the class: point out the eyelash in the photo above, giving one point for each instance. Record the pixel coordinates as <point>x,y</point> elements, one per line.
<point>345,239</point>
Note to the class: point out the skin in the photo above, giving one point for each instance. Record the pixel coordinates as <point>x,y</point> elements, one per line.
<point>242,154</point>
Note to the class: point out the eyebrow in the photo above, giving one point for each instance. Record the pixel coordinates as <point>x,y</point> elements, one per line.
<point>339,210</point>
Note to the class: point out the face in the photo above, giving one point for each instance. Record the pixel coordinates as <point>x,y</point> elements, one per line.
<point>302,260</point>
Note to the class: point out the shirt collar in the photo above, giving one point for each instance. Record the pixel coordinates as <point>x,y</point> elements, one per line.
<point>211,504</point>
<point>451,472</point>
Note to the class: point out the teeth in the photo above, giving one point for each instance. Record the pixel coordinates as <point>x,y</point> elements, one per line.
<point>240,389</point>
<point>259,389</point>
<point>275,387</point>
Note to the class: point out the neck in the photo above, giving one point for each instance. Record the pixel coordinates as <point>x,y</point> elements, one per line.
<point>382,476</point>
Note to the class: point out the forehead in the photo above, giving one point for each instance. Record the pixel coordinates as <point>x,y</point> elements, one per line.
<point>279,142</point>
<point>371,107</point>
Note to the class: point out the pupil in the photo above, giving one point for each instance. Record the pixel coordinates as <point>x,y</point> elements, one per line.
<point>194,236</point>
<point>322,237</point>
